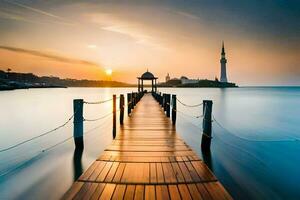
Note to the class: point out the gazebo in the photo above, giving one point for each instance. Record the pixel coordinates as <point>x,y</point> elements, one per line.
<point>147,76</point>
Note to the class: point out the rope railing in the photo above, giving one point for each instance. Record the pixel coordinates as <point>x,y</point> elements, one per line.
<point>78,125</point>
<point>97,102</point>
<point>186,105</point>
<point>38,136</point>
<point>39,153</point>
<point>99,118</point>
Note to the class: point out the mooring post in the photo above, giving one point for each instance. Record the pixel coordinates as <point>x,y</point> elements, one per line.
<point>114,115</point>
<point>121,109</point>
<point>168,111</point>
<point>165,102</point>
<point>129,102</point>
<point>174,109</point>
<point>133,100</point>
<point>78,123</point>
<point>207,125</point>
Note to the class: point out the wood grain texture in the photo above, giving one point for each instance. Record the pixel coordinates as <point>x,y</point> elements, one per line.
<point>147,160</point>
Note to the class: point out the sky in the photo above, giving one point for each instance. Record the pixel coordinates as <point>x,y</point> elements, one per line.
<point>83,38</point>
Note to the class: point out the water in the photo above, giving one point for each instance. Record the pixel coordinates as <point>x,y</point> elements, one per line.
<point>254,151</point>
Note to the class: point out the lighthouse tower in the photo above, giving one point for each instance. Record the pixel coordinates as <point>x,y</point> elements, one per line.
<point>223,62</point>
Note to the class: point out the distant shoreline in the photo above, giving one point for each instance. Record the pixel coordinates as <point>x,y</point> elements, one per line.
<point>14,80</point>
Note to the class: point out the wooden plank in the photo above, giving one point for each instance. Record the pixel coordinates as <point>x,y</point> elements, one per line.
<point>108,191</point>
<point>112,172</point>
<point>129,192</point>
<point>90,191</point>
<point>195,194</point>
<point>119,172</point>
<point>98,191</point>
<point>193,172</point>
<point>90,170</point>
<point>150,192</point>
<point>203,171</point>
<point>104,172</point>
<point>136,173</point>
<point>147,160</point>
<point>169,173</point>
<point>217,191</point>
<point>162,192</point>
<point>97,171</point>
<point>71,193</point>
<point>159,173</point>
<point>185,172</point>
<point>178,173</point>
<point>139,192</point>
<point>153,176</point>
<point>82,191</point>
<point>174,192</point>
<point>184,192</point>
<point>204,193</point>
<point>119,192</point>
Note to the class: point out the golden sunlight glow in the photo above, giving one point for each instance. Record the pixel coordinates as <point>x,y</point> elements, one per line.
<point>108,72</point>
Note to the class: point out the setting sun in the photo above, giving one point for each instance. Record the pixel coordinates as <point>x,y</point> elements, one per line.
<point>108,72</point>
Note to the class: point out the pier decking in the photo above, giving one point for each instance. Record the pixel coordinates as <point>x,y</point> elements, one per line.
<point>147,160</point>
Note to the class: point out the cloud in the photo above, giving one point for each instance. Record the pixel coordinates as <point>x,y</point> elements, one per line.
<point>188,15</point>
<point>61,20</point>
<point>48,56</point>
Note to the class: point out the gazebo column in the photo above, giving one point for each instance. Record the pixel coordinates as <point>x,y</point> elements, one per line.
<point>142,85</point>
<point>152,85</point>
<point>139,85</point>
<point>155,86</point>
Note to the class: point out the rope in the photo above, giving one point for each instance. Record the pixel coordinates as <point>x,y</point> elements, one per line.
<point>99,118</point>
<point>97,102</point>
<point>191,106</point>
<point>43,151</point>
<point>41,135</point>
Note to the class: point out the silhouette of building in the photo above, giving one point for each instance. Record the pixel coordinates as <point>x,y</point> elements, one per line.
<point>223,62</point>
<point>168,78</point>
<point>186,80</point>
<point>147,76</point>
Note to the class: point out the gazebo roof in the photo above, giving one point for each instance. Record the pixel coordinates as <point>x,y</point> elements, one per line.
<point>147,76</point>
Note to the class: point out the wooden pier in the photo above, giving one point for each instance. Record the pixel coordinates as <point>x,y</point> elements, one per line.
<point>148,160</point>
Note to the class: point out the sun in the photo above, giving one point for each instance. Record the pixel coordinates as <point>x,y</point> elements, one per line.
<point>108,72</point>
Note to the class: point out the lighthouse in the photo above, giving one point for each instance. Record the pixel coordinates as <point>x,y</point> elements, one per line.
<point>223,62</point>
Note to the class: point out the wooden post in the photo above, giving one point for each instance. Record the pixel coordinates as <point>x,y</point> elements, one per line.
<point>129,103</point>
<point>78,123</point>
<point>132,100</point>
<point>114,115</point>
<point>121,109</point>
<point>174,109</point>
<point>168,103</point>
<point>165,102</point>
<point>207,124</point>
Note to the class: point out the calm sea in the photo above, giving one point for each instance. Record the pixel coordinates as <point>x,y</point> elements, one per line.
<point>255,146</point>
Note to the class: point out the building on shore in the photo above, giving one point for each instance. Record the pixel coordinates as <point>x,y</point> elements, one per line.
<point>168,77</point>
<point>223,62</point>
<point>186,80</point>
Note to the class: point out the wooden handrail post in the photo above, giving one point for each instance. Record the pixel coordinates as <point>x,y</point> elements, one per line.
<point>174,109</point>
<point>207,125</point>
<point>129,103</point>
<point>78,123</point>
<point>165,102</point>
<point>168,103</point>
<point>121,109</point>
<point>114,115</point>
